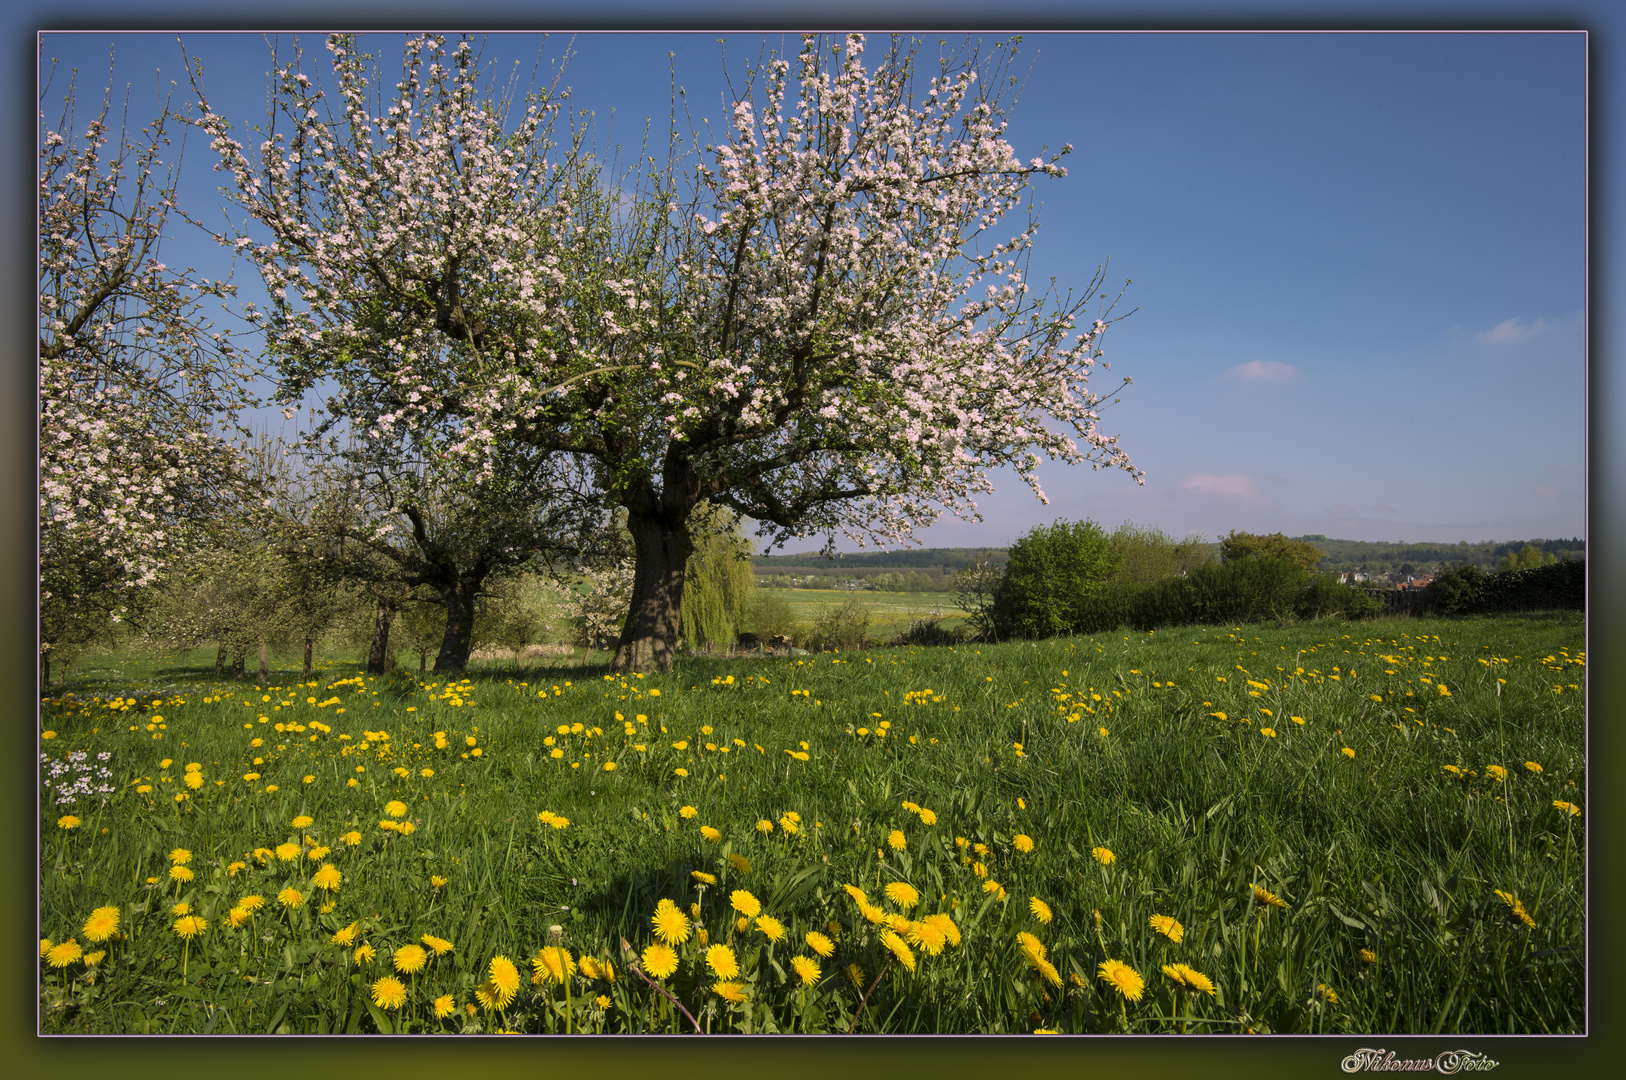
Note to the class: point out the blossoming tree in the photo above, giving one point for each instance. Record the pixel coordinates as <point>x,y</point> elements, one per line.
<point>815,325</point>
<point>133,380</point>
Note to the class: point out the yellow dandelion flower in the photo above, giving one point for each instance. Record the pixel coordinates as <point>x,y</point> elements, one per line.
<point>363,953</point>
<point>60,956</point>
<point>1122,978</point>
<point>444,1006</point>
<point>328,877</point>
<point>1347,752</point>
<point>1533,766</point>
<point>303,821</point>
<point>438,946</point>
<point>1567,808</point>
<point>722,961</point>
<point>1104,856</point>
<point>730,991</point>
<point>898,948</point>
<point>505,978</point>
<point>395,808</point>
<point>345,937</point>
<point>181,873</point>
<point>942,921</point>
<point>1040,909</point>
<point>671,925</point>
<point>410,959</point>
<point>739,862</point>
<point>289,852</point>
<point>744,903</point>
<point>820,944</point>
<point>1267,899</point>
<point>102,924</point>
<point>660,960</point>
<point>855,974</point>
<point>180,857</point>
<point>1189,978</point>
<point>703,878</point>
<point>896,840</point>
<point>1369,956</point>
<point>764,826</point>
<point>1168,927</point>
<point>710,834</point>
<point>902,894</point>
<point>290,897</point>
<point>554,964</point>
<point>806,968</point>
<point>1023,842</point>
<point>389,993</point>
<point>189,926</point>
<point>771,928</point>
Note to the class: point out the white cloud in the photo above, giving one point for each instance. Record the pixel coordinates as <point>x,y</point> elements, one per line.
<point>1264,371</point>
<point>1514,330</point>
<point>1235,487</point>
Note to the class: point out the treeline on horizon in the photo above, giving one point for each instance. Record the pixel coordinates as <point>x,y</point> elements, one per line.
<point>1377,556</point>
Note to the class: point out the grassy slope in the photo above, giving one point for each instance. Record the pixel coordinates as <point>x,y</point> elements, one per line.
<point>1384,850</point>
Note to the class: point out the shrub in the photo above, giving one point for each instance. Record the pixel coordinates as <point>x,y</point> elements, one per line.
<point>1323,596</point>
<point>1052,572</point>
<point>844,626</point>
<point>1146,555</point>
<point>1458,590</point>
<point>975,588</point>
<point>1468,590</point>
<point>929,630</point>
<point>1241,545</point>
<point>768,614</point>
<point>1113,605</point>
<point>1240,591</point>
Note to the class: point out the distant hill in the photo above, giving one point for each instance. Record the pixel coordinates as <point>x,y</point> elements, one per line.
<point>927,560</point>
<point>1383,556</point>
<point>1373,555</point>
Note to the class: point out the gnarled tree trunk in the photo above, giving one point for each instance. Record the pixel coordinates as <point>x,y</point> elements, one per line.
<point>458,593</point>
<point>379,657</point>
<point>649,638</point>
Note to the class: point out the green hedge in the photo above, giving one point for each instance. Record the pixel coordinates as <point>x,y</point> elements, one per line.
<point>1468,590</point>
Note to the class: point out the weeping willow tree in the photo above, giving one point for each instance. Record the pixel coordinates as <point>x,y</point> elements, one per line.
<point>719,577</point>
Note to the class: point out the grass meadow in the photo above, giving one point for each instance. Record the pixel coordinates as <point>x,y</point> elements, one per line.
<point>890,613</point>
<point>1325,827</point>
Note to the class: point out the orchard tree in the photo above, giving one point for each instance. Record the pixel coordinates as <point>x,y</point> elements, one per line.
<point>1242,545</point>
<point>134,383</point>
<point>812,323</point>
<point>409,517</point>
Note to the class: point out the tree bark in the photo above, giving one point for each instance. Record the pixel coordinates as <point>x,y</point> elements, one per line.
<point>379,657</point>
<point>220,660</point>
<point>458,595</point>
<point>45,670</point>
<point>310,645</point>
<point>649,638</point>
<point>239,658</point>
<point>265,676</point>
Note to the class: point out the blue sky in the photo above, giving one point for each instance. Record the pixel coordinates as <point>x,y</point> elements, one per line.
<point>1358,259</point>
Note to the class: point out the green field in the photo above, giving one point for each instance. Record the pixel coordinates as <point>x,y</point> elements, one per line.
<point>1327,827</point>
<point>889,612</point>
